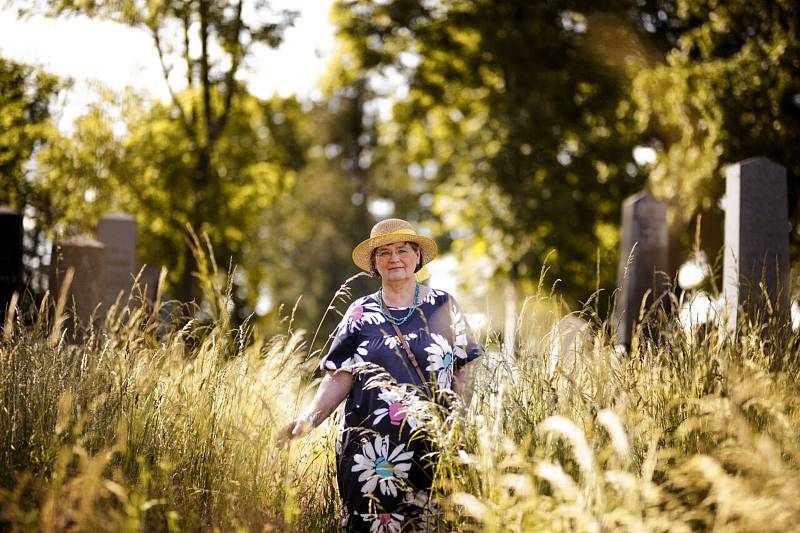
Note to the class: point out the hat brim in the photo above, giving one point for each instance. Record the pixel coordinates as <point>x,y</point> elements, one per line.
<point>363,251</point>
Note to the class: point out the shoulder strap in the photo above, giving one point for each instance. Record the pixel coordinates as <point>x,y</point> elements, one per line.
<point>411,357</point>
<point>407,348</point>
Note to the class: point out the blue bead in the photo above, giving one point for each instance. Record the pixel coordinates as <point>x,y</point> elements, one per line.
<point>399,321</point>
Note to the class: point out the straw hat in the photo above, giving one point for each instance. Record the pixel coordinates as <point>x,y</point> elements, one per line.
<point>387,232</point>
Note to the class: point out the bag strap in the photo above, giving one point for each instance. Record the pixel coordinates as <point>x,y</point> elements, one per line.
<point>411,357</point>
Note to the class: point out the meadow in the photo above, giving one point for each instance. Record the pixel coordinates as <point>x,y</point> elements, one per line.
<point>150,424</point>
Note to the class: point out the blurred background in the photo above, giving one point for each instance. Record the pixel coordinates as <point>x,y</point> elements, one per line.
<point>509,131</point>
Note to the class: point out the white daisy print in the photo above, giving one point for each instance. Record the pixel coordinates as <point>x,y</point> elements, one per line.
<point>339,444</point>
<point>381,468</point>
<point>427,519</point>
<point>393,342</point>
<point>363,311</point>
<point>459,333</point>
<point>347,364</point>
<point>417,499</point>
<point>395,408</point>
<point>440,357</point>
<point>383,522</point>
<point>430,298</point>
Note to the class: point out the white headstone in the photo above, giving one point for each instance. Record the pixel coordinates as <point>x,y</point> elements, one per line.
<point>570,341</point>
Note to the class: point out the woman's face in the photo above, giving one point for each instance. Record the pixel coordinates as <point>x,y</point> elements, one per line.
<point>396,261</point>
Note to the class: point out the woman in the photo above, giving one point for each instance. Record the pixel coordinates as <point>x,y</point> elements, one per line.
<point>417,343</point>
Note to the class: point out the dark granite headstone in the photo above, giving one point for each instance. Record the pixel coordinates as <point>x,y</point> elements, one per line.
<point>148,282</point>
<point>117,232</point>
<point>10,256</point>
<point>756,238</point>
<point>145,291</point>
<point>87,257</point>
<point>643,243</point>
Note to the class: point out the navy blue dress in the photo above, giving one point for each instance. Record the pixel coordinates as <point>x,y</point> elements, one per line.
<point>383,473</point>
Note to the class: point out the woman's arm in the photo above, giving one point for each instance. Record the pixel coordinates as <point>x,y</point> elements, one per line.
<point>333,388</point>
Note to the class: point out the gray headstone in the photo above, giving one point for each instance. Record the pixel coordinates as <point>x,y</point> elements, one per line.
<point>87,257</point>
<point>117,232</point>
<point>10,256</point>
<point>644,243</point>
<point>756,237</point>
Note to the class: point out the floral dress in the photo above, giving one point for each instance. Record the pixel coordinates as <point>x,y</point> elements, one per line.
<point>383,469</point>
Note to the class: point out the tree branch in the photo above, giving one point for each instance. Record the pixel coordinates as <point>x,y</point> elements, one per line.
<point>230,79</point>
<point>188,126</point>
<point>189,65</point>
<point>205,77</point>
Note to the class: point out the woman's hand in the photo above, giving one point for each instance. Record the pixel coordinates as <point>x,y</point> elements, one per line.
<point>333,388</point>
<point>294,429</point>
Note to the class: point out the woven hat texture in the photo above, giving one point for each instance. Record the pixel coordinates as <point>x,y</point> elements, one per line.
<point>390,231</point>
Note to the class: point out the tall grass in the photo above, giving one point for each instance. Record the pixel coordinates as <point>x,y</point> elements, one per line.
<point>147,425</point>
<point>682,434</point>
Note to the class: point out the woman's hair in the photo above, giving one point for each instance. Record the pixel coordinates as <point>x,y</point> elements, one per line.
<point>374,269</point>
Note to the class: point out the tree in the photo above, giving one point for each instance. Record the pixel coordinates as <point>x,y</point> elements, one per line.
<point>26,95</point>
<point>515,116</point>
<point>728,90</point>
<point>226,32</point>
<point>128,153</point>
<point>306,241</point>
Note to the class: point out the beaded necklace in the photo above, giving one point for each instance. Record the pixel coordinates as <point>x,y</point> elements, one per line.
<point>398,321</point>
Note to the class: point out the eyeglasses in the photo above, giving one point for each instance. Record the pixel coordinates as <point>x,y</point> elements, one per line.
<point>385,255</point>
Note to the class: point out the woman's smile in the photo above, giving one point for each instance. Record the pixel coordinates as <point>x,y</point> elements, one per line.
<point>383,464</point>
<point>396,261</point>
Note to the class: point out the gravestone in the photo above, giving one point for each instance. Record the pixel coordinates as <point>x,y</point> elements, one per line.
<point>571,341</point>
<point>148,283</point>
<point>10,256</point>
<point>642,262</point>
<point>756,238</point>
<point>117,232</point>
<point>574,362</point>
<point>86,256</point>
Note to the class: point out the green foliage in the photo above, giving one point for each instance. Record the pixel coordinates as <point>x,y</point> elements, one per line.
<point>227,33</point>
<point>515,116</point>
<point>70,167</point>
<point>302,249</point>
<point>727,91</point>
<point>147,168</point>
<point>26,97</point>
<point>525,115</point>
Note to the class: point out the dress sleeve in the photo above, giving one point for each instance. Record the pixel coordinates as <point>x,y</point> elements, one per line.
<point>344,350</point>
<point>466,348</point>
